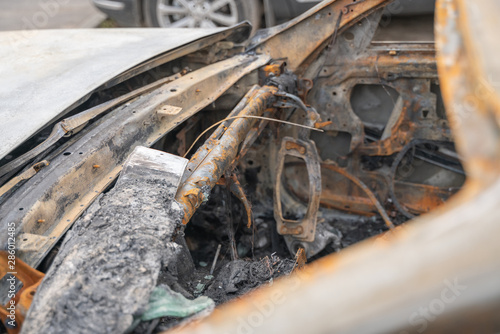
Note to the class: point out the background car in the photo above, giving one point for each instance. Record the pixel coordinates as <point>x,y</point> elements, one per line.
<point>223,13</point>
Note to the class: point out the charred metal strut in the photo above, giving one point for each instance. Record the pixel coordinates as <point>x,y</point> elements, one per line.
<point>212,160</point>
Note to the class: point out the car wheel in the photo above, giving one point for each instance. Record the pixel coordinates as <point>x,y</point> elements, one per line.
<point>201,13</point>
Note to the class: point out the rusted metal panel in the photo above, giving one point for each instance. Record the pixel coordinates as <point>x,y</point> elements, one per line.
<point>319,25</point>
<point>304,229</point>
<point>406,70</point>
<point>381,285</point>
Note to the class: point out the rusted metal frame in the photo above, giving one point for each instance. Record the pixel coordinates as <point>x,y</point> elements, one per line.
<point>395,48</point>
<point>47,205</point>
<point>21,300</point>
<point>409,125</point>
<point>380,64</point>
<point>200,155</point>
<point>415,61</point>
<point>363,71</point>
<point>354,200</point>
<point>338,193</point>
<point>341,194</point>
<point>283,41</point>
<point>196,189</point>
<point>344,195</point>
<point>393,61</point>
<point>357,59</point>
<point>304,229</point>
<point>392,175</point>
<point>355,169</point>
<point>412,265</point>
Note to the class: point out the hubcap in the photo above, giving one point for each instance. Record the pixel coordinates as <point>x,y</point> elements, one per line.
<point>197,13</point>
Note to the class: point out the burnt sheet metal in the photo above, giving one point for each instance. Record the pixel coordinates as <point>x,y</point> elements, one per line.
<point>358,137</point>
<point>304,229</point>
<point>109,263</point>
<point>381,285</point>
<point>48,204</point>
<point>339,58</point>
<point>46,73</point>
<point>320,24</point>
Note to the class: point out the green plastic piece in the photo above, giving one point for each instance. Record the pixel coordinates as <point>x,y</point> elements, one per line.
<point>199,289</point>
<point>167,303</point>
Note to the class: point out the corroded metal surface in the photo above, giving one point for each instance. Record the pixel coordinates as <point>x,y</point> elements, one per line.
<point>318,24</point>
<point>305,228</point>
<point>377,99</point>
<point>223,149</point>
<point>381,285</point>
<point>388,147</point>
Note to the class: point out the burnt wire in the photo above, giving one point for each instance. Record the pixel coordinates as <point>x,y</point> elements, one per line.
<point>255,117</point>
<point>365,188</point>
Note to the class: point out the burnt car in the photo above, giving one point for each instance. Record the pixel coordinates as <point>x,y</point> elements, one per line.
<point>223,13</point>
<point>307,179</point>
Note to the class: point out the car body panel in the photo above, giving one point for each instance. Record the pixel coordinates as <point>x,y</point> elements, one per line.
<point>47,73</point>
<point>444,262</point>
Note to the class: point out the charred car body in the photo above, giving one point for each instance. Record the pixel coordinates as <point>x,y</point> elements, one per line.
<point>211,164</point>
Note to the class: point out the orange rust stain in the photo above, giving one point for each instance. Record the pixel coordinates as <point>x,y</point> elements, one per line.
<point>294,146</point>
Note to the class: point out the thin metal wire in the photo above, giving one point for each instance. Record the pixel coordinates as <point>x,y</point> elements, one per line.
<point>365,188</point>
<point>255,117</point>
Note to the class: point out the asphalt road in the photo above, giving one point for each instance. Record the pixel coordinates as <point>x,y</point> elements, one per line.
<point>48,14</point>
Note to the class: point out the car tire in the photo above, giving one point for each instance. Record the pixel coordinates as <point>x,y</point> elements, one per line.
<point>246,10</point>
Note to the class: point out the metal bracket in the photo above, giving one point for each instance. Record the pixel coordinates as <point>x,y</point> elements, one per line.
<point>304,229</point>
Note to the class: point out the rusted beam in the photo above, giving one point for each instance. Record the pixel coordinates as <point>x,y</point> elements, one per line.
<point>219,152</point>
<point>330,17</point>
